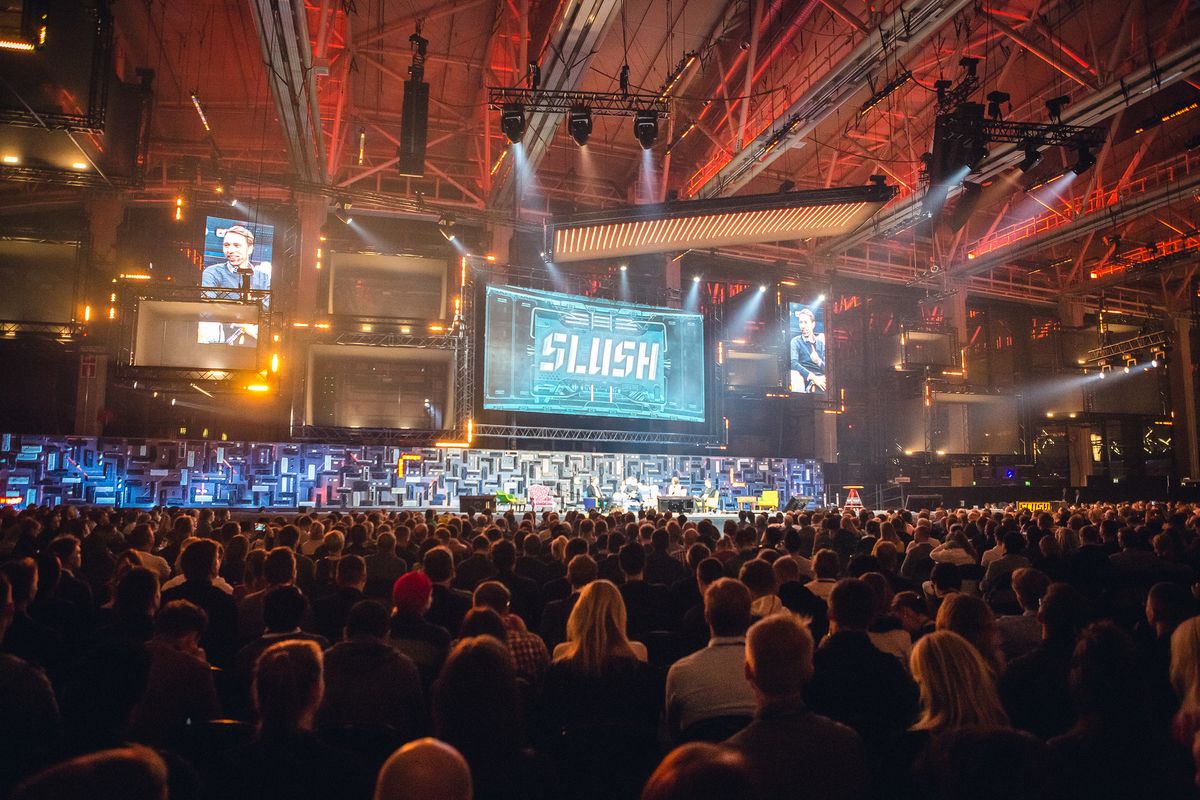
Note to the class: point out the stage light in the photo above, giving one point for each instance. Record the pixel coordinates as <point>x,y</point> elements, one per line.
<point>1033,156</point>
<point>995,100</point>
<point>970,65</point>
<point>446,227</point>
<point>695,279</point>
<point>258,388</point>
<point>1054,107</point>
<point>579,124</point>
<point>535,76</point>
<point>695,224</point>
<point>79,165</point>
<point>512,121</point>
<point>1084,161</point>
<point>179,208</point>
<point>624,267</point>
<point>362,145</point>
<point>10,159</point>
<point>623,79</point>
<point>762,287</point>
<point>645,128</point>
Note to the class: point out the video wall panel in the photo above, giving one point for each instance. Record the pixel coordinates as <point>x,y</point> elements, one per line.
<point>391,387</point>
<point>38,280</point>
<point>196,334</point>
<point>553,353</point>
<point>382,286</point>
<point>808,367</point>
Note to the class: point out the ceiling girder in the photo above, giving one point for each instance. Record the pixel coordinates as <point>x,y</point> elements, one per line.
<point>894,39</point>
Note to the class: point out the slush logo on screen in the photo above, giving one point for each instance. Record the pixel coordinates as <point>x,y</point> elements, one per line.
<point>600,357</point>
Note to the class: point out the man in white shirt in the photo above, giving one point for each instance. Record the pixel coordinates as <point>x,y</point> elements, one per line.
<point>712,682</point>
<point>141,542</point>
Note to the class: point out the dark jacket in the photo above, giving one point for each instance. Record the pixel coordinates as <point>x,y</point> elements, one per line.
<point>448,609</point>
<point>860,686</point>
<point>370,683</point>
<point>220,640</point>
<point>787,741</point>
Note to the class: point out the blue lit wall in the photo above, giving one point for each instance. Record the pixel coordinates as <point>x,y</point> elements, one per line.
<point>128,472</point>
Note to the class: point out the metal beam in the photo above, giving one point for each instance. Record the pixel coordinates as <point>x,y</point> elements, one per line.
<point>563,66</point>
<point>1110,216</point>
<point>286,52</point>
<point>1070,70</point>
<point>893,41</point>
<point>1090,110</point>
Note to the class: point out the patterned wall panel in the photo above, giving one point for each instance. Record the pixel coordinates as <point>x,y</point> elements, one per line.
<point>53,470</point>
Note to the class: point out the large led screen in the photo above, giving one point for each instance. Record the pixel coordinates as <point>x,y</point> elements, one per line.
<point>233,250</point>
<point>807,368</point>
<point>559,354</point>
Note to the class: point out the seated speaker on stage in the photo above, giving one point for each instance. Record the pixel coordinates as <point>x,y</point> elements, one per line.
<point>592,495</point>
<point>676,489</point>
<point>710,498</point>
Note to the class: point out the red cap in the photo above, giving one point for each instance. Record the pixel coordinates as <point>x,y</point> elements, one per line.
<point>411,591</point>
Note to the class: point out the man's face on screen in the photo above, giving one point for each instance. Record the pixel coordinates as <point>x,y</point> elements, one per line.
<point>805,325</point>
<point>237,250</point>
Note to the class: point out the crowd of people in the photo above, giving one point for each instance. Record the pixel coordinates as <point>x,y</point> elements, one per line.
<point>942,654</point>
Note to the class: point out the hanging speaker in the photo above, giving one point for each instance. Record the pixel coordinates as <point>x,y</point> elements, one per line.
<point>414,129</point>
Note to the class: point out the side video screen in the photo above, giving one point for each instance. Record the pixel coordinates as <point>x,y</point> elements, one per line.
<point>807,366</point>
<point>237,255</point>
<point>553,353</point>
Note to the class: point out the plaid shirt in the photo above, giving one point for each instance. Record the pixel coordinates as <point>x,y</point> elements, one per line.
<point>529,653</point>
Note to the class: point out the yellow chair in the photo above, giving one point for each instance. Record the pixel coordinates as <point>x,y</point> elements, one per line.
<point>768,500</point>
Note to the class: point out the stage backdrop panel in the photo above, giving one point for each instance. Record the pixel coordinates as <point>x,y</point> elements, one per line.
<point>381,387</point>
<point>38,280</point>
<point>387,287</point>
<point>554,353</point>
<point>145,472</point>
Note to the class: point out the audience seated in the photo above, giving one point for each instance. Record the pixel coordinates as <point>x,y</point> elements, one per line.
<point>643,642</point>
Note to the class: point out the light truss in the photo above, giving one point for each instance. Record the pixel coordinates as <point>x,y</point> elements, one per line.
<point>398,340</point>
<point>1133,345</point>
<point>59,330</point>
<point>608,104</point>
<point>585,435</point>
<point>693,224</point>
<point>391,436</point>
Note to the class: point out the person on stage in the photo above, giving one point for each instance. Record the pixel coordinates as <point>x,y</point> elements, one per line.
<point>676,489</point>
<point>238,247</point>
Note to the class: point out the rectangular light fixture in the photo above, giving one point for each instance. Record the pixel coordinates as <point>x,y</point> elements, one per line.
<point>684,224</point>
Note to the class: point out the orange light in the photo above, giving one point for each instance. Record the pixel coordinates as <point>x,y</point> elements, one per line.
<point>299,324</point>
<point>1093,275</point>
<point>274,362</point>
<point>490,257</point>
<point>452,444</point>
<point>470,430</point>
<point>87,313</point>
<point>135,276</point>
<point>971,256</point>
<point>258,387</point>
<point>112,312</point>
<point>437,328</point>
<point>15,44</point>
<point>322,325</point>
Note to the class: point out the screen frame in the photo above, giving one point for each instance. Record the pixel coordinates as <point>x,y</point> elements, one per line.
<point>713,422</point>
<point>806,299</point>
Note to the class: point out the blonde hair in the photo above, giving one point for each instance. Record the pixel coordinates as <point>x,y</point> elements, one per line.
<point>596,628</point>
<point>957,688</point>
<point>1185,663</point>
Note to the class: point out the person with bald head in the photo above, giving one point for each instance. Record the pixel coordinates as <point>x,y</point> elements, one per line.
<point>427,769</point>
